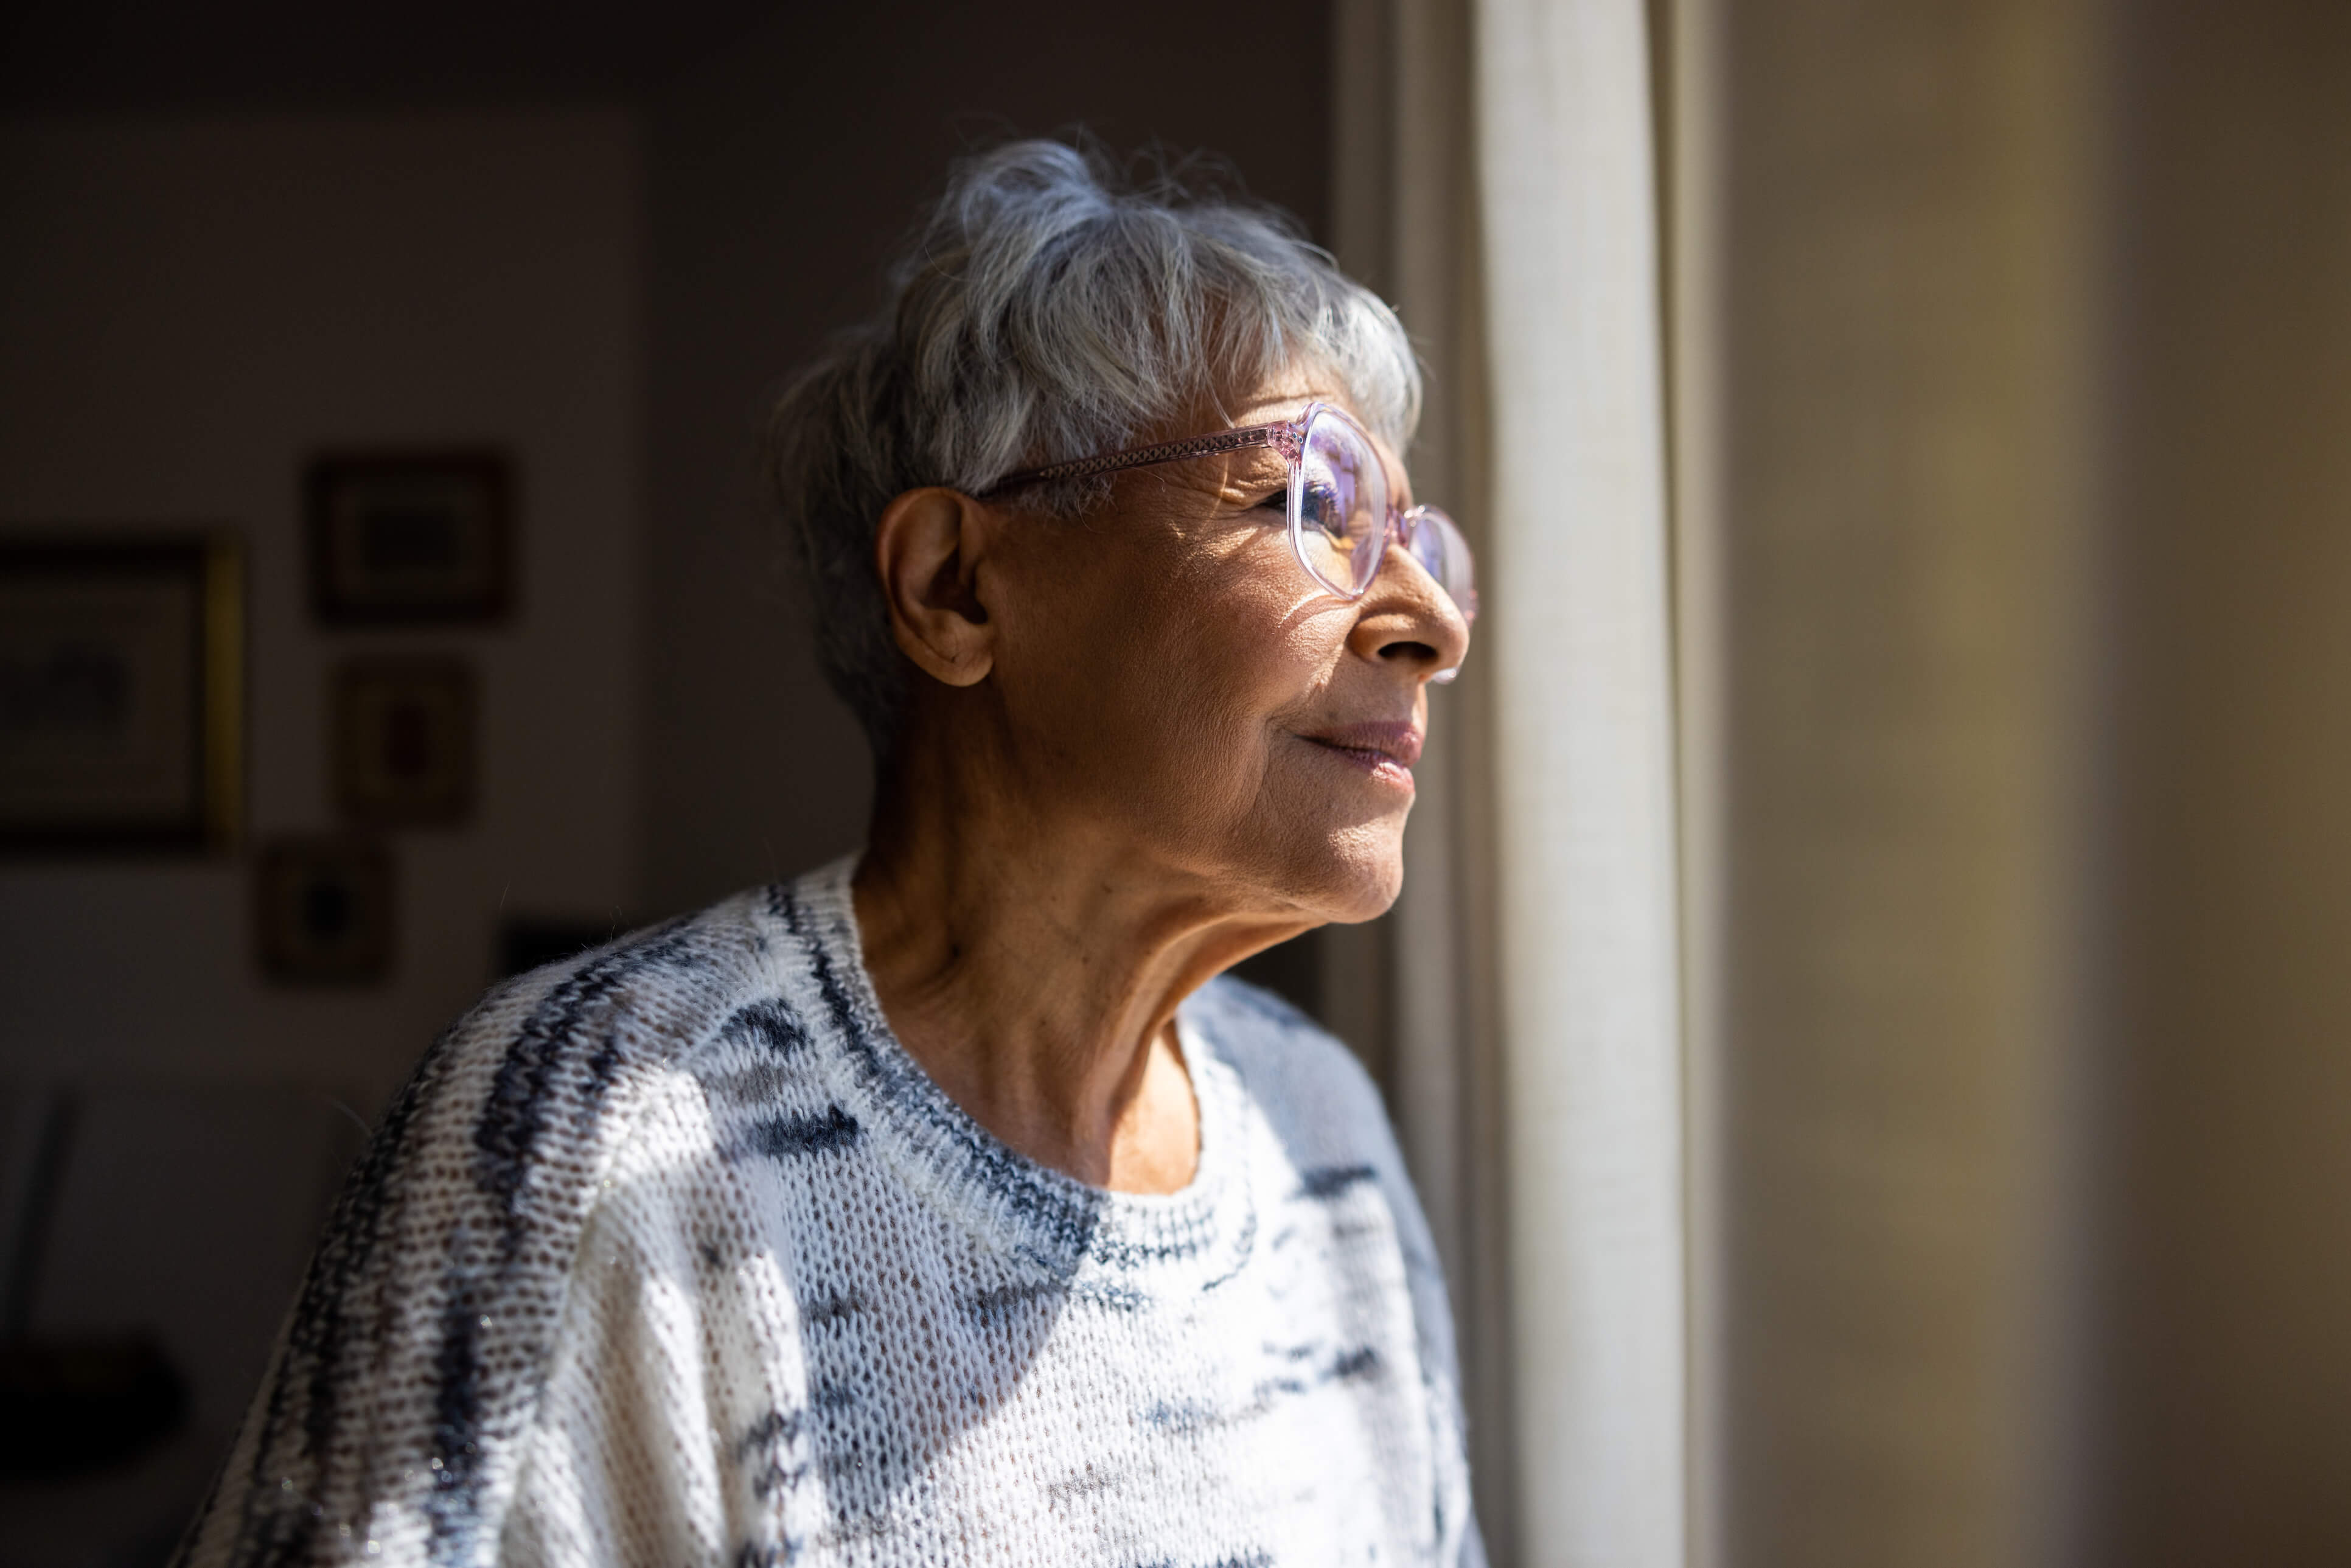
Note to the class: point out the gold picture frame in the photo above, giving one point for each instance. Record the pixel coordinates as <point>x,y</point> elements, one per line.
<point>121,691</point>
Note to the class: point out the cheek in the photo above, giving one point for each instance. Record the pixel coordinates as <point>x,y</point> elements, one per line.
<point>1171,685</point>
<point>1244,648</point>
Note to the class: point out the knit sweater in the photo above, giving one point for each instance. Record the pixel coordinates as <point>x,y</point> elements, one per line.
<point>671,1255</point>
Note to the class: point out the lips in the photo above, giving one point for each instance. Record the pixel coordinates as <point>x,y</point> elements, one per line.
<point>1373,741</point>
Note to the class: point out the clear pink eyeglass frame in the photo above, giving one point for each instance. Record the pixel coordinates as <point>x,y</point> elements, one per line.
<point>1444,554</point>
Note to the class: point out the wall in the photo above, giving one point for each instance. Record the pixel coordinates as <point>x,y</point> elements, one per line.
<point>187,308</point>
<point>779,176</point>
<point>1908,264</point>
<point>2225,1401</point>
<point>2029,1105</point>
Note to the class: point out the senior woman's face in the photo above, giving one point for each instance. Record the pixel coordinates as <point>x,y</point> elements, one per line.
<point>1171,672</point>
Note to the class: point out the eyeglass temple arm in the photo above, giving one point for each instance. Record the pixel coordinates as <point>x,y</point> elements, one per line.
<point>1284,438</point>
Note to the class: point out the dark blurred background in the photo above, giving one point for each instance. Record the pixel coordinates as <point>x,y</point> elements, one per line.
<point>588,239</point>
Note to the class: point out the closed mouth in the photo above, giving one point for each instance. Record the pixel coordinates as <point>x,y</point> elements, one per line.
<point>1373,743</point>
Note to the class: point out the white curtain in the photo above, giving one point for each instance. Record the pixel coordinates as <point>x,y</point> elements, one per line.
<point>1503,193</point>
<point>1579,646</point>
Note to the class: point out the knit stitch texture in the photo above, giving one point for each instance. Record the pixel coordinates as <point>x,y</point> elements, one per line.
<point>671,1255</point>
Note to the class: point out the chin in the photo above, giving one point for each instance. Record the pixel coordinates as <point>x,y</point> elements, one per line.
<point>1357,876</point>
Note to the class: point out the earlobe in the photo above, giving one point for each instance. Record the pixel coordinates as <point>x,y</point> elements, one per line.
<point>927,549</point>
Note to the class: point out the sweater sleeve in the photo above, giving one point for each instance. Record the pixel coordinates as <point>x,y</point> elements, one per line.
<point>392,1423</point>
<point>668,1431</point>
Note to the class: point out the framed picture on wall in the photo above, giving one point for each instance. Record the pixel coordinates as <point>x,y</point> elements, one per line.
<point>410,538</point>
<point>324,910</point>
<point>122,691</point>
<point>404,741</point>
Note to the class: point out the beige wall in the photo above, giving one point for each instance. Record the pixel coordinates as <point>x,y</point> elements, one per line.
<point>188,307</point>
<point>1905,444</point>
<point>2030,356</point>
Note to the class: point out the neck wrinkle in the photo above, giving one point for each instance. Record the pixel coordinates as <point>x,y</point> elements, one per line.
<point>1033,967</point>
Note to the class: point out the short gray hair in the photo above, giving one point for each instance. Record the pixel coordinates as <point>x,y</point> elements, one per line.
<point>1047,309</point>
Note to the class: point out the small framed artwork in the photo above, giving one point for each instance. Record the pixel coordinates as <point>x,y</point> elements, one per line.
<point>411,539</point>
<point>404,737</point>
<point>324,910</point>
<point>121,691</point>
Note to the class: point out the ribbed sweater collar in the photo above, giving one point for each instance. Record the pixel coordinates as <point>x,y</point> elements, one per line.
<point>1150,1246</point>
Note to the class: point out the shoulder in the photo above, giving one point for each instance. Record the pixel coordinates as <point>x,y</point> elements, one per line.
<point>1302,1077</point>
<point>664,981</point>
<point>1322,1107</point>
<point>419,1340</point>
<point>554,1052</point>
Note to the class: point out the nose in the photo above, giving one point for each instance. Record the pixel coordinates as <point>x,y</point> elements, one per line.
<point>1407,621</point>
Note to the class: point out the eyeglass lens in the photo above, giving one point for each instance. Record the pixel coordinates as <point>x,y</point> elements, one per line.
<point>1444,554</point>
<point>1343,512</point>
<point>1343,505</point>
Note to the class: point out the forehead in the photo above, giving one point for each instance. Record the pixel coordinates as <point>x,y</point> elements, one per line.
<point>1279,395</point>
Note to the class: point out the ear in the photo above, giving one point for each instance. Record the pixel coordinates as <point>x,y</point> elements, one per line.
<point>927,549</point>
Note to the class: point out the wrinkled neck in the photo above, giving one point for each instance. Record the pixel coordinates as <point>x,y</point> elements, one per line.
<point>1032,962</point>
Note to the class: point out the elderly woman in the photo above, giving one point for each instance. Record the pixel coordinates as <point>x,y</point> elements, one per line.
<point>944,1206</point>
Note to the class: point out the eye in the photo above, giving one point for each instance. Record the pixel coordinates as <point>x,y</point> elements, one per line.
<point>1277,502</point>
<point>1320,508</point>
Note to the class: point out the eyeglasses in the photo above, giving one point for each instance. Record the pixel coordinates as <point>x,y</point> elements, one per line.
<point>1341,510</point>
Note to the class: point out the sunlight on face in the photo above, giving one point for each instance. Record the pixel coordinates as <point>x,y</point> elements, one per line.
<point>1186,684</point>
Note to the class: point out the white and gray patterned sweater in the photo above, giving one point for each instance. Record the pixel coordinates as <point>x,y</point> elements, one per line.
<point>670,1255</point>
